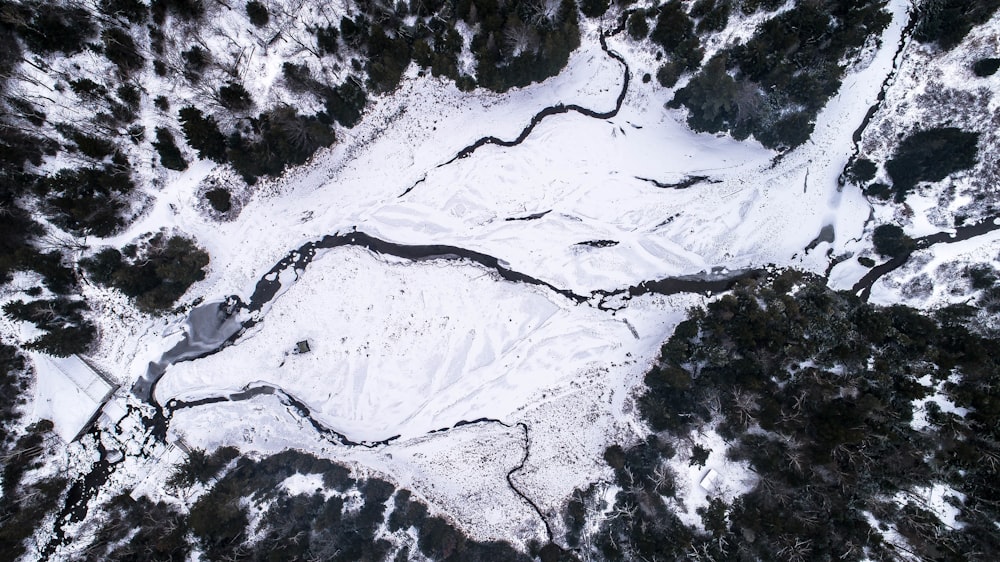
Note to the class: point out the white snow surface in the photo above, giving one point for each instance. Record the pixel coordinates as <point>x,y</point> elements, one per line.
<point>582,170</point>
<point>402,348</point>
<point>67,392</point>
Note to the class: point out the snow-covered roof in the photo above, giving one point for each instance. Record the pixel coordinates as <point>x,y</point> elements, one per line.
<point>68,392</point>
<point>709,480</point>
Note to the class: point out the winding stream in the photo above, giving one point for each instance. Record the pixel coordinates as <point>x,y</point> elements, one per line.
<point>212,327</point>
<point>863,287</point>
<point>904,39</point>
<point>558,109</point>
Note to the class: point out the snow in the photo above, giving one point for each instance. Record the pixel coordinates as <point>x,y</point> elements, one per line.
<point>400,348</point>
<point>939,499</point>
<point>305,484</point>
<point>941,399</point>
<point>731,478</point>
<point>943,263</point>
<point>67,392</point>
<point>404,348</point>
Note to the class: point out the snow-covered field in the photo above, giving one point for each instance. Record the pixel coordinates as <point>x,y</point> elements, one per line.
<point>403,348</point>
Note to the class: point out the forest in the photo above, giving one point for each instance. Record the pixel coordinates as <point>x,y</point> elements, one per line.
<point>846,412</point>
<point>340,520</point>
<point>843,411</point>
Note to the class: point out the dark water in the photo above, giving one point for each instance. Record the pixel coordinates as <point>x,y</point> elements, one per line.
<point>208,327</point>
<point>863,287</point>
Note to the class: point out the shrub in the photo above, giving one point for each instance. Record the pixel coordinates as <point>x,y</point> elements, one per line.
<point>986,67</point>
<point>202,134</point>
<point>257,13</point>
<point>170,155</point>
<point>931,155</point>
<point>220,199</point>
<point>637,27</point>
<point>235,97</point>
<point>121,50</point>
<point>890,241</point>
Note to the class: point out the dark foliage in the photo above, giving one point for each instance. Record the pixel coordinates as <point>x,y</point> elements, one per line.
<point>326,39</point>
<point>235,97</point>
<point>594,8</point>
<point>87,88</point>
<point>309,526</point>
<point>138,529</point>
<point>931,155</point>
<point>257,13</point>
<point>220,199</point>
<point>23,507</point>
<point>772,86</point>
<point>184,9</point>
<point>890,241</point>
<point>674,31</point>
<point>87,200</point>
<point>66,330</point>
<point>195,61</point>
<point>862,171</point>
<point>47,28</point>
<point>815,390</point>
<point>345,103</point>
<point>947,22</point>
<point>134,11</point>
<point>10,50</point>
<point>637,26</point>
<point>712,15</point>
<point>121,50</point>
<point>155,274</point>
<point>26,110</point>
<point>511,52</point>
<point>129,94</point>
<point>13,383</point>
<point>201,467</point>
<point>95,147</point>
<point>282,138</point>
<point>56,276</point>
<point>986,67</point>
<point>170,155</point>
<point>17,229</point>
<point>202,134</point>
<point>388,57</point>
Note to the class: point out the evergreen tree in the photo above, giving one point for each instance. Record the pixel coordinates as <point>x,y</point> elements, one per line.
<point>202,134</point>
<point>170,155</point>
